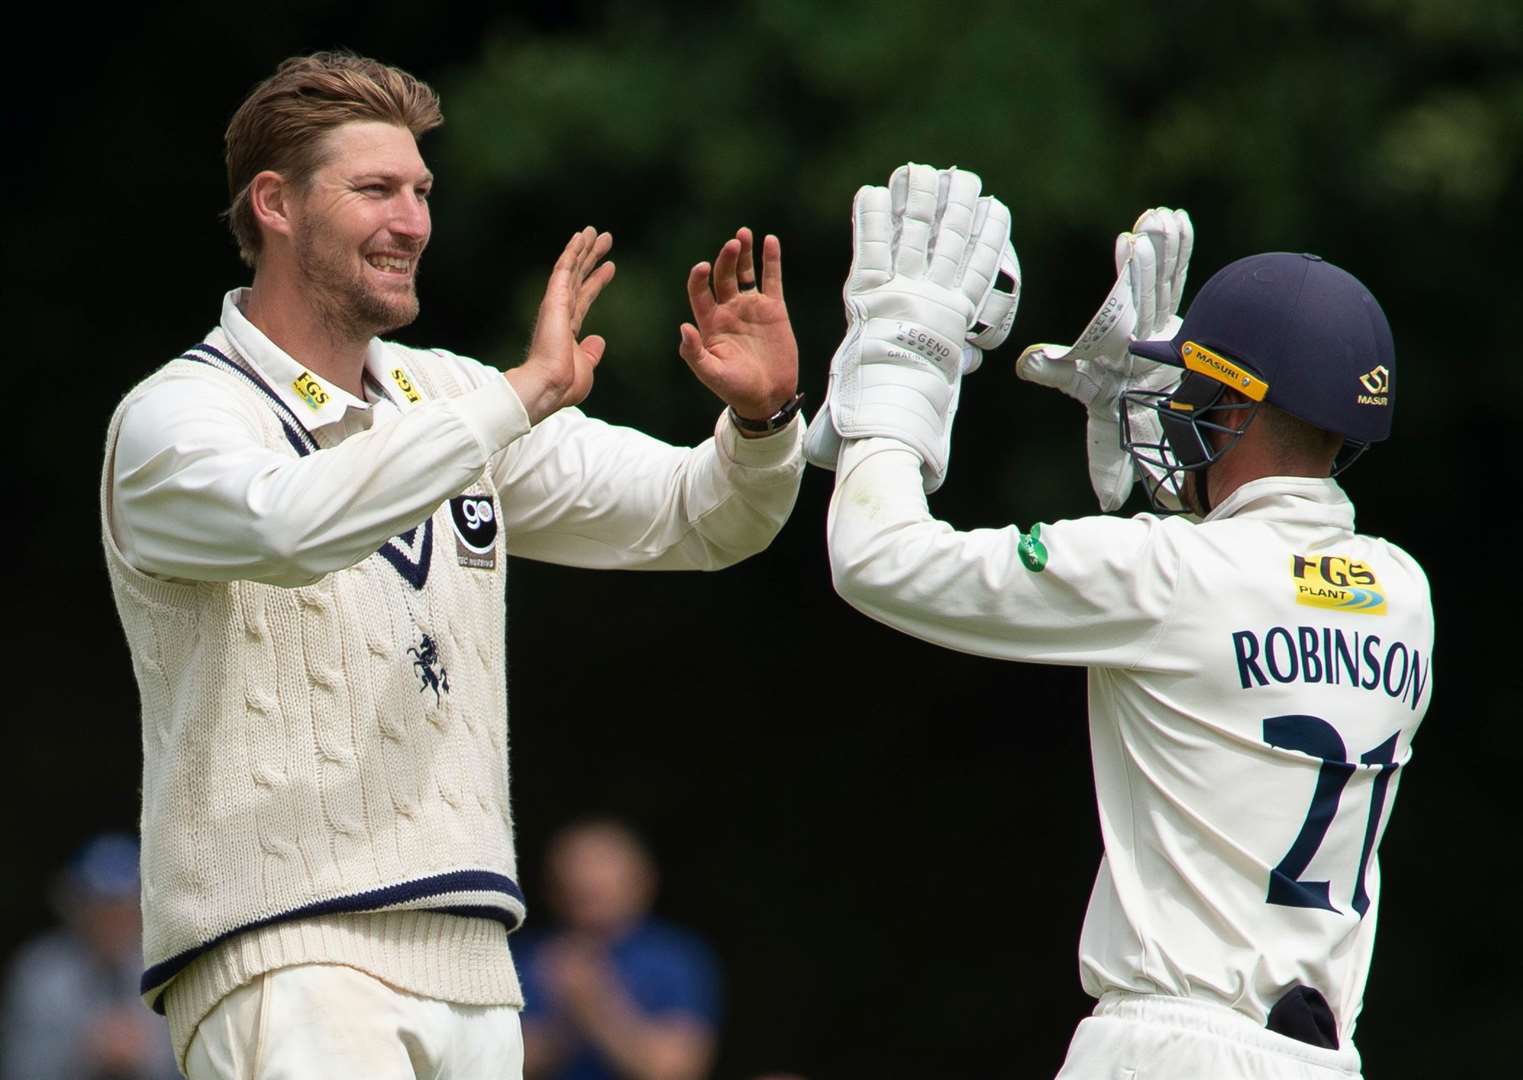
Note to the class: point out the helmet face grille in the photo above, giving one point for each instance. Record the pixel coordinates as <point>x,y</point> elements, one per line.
<point>1348,453</point>
<point>1168,433</point>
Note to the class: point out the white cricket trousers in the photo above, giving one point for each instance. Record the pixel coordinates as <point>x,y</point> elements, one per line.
<point>1152,1037</point>
<point>329,1022</point>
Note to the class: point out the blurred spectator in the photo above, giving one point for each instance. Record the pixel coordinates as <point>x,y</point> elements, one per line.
<point>71,1009</point>
<point>613,993</point>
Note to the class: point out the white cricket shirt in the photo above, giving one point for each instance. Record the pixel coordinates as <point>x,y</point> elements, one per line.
<point>197,496</point>
<point>1255,680</point>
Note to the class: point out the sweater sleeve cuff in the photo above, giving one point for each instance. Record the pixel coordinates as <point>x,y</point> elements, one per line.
<point>772,451</point>
<point>493,414</point>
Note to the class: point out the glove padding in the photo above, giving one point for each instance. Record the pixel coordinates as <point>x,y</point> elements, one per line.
<point>1151,264</point>
<point>934,281</point>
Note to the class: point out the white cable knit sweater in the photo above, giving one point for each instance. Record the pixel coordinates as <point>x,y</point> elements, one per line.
<point>325,723</point>
<point>313,753</point>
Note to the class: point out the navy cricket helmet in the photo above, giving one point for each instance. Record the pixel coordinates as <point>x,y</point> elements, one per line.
<point>1289,329</point>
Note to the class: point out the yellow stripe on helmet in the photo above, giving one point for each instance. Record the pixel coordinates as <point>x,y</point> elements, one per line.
<point>1199,358</point>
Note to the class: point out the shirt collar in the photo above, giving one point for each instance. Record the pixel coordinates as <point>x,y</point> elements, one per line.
<point>392,376</point>
<point>1310,499</point>
<point>315,402</point>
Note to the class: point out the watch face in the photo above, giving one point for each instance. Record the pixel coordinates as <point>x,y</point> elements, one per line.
<point>773,422</point>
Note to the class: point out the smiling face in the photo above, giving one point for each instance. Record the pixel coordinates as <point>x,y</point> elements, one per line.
<point>359,227</point>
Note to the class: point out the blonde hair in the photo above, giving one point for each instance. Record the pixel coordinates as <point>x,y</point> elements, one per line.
<point>282,123</point>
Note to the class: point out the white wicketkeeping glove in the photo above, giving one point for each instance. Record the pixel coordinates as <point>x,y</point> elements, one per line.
<point>1151,263</point>
<point>934,281</point>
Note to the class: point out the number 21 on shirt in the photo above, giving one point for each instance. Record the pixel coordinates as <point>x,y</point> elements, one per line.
<point>1314,736</point>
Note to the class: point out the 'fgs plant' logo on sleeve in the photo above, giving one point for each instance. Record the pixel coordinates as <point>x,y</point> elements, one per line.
<point>1337,583</point>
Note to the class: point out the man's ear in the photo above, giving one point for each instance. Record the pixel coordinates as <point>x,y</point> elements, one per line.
<point>1235,398</point>
<point>273,199</point>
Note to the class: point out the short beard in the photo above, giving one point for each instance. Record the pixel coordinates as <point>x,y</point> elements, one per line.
<point>349,310</point>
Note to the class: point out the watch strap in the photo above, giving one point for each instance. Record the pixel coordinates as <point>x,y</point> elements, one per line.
<point>774,422</point>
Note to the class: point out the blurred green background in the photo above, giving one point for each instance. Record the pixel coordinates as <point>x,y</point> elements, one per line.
<point>890,846</point>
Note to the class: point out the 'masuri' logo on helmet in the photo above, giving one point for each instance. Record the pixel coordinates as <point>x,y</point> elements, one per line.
<point>1197,357</point>
<point>1378,382</point>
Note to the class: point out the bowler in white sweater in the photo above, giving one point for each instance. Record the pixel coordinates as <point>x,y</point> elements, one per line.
<point>306,529</point>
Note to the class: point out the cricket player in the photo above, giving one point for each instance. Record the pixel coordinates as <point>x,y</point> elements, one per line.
<point>1257,669</point>
<point>307,529</point>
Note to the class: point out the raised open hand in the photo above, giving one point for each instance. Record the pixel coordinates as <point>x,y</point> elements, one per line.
<point>558,369</point>
<point>742,347</point>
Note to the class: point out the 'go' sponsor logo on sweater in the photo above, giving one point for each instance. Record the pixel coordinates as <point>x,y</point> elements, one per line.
<point>474,518</point>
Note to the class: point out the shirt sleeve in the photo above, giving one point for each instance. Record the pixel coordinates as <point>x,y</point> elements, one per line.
<point>580,492</point>
<point>1092,591</point>
<point>197,495</point>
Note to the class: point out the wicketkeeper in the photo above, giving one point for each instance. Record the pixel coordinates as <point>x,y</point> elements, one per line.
<point>1256,668</point>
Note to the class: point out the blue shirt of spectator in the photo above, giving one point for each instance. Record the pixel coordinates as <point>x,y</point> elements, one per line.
<point>666,971</point>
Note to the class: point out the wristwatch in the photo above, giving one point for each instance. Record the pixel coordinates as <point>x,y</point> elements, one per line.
<point>774,422</point>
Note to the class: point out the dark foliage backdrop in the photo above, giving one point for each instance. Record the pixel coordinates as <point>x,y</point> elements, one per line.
<point>890,846</point>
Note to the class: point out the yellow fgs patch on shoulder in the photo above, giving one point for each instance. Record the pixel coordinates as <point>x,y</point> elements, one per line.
<point>310,390</point>
<point>1337,583</point>
<point>404,384</point>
